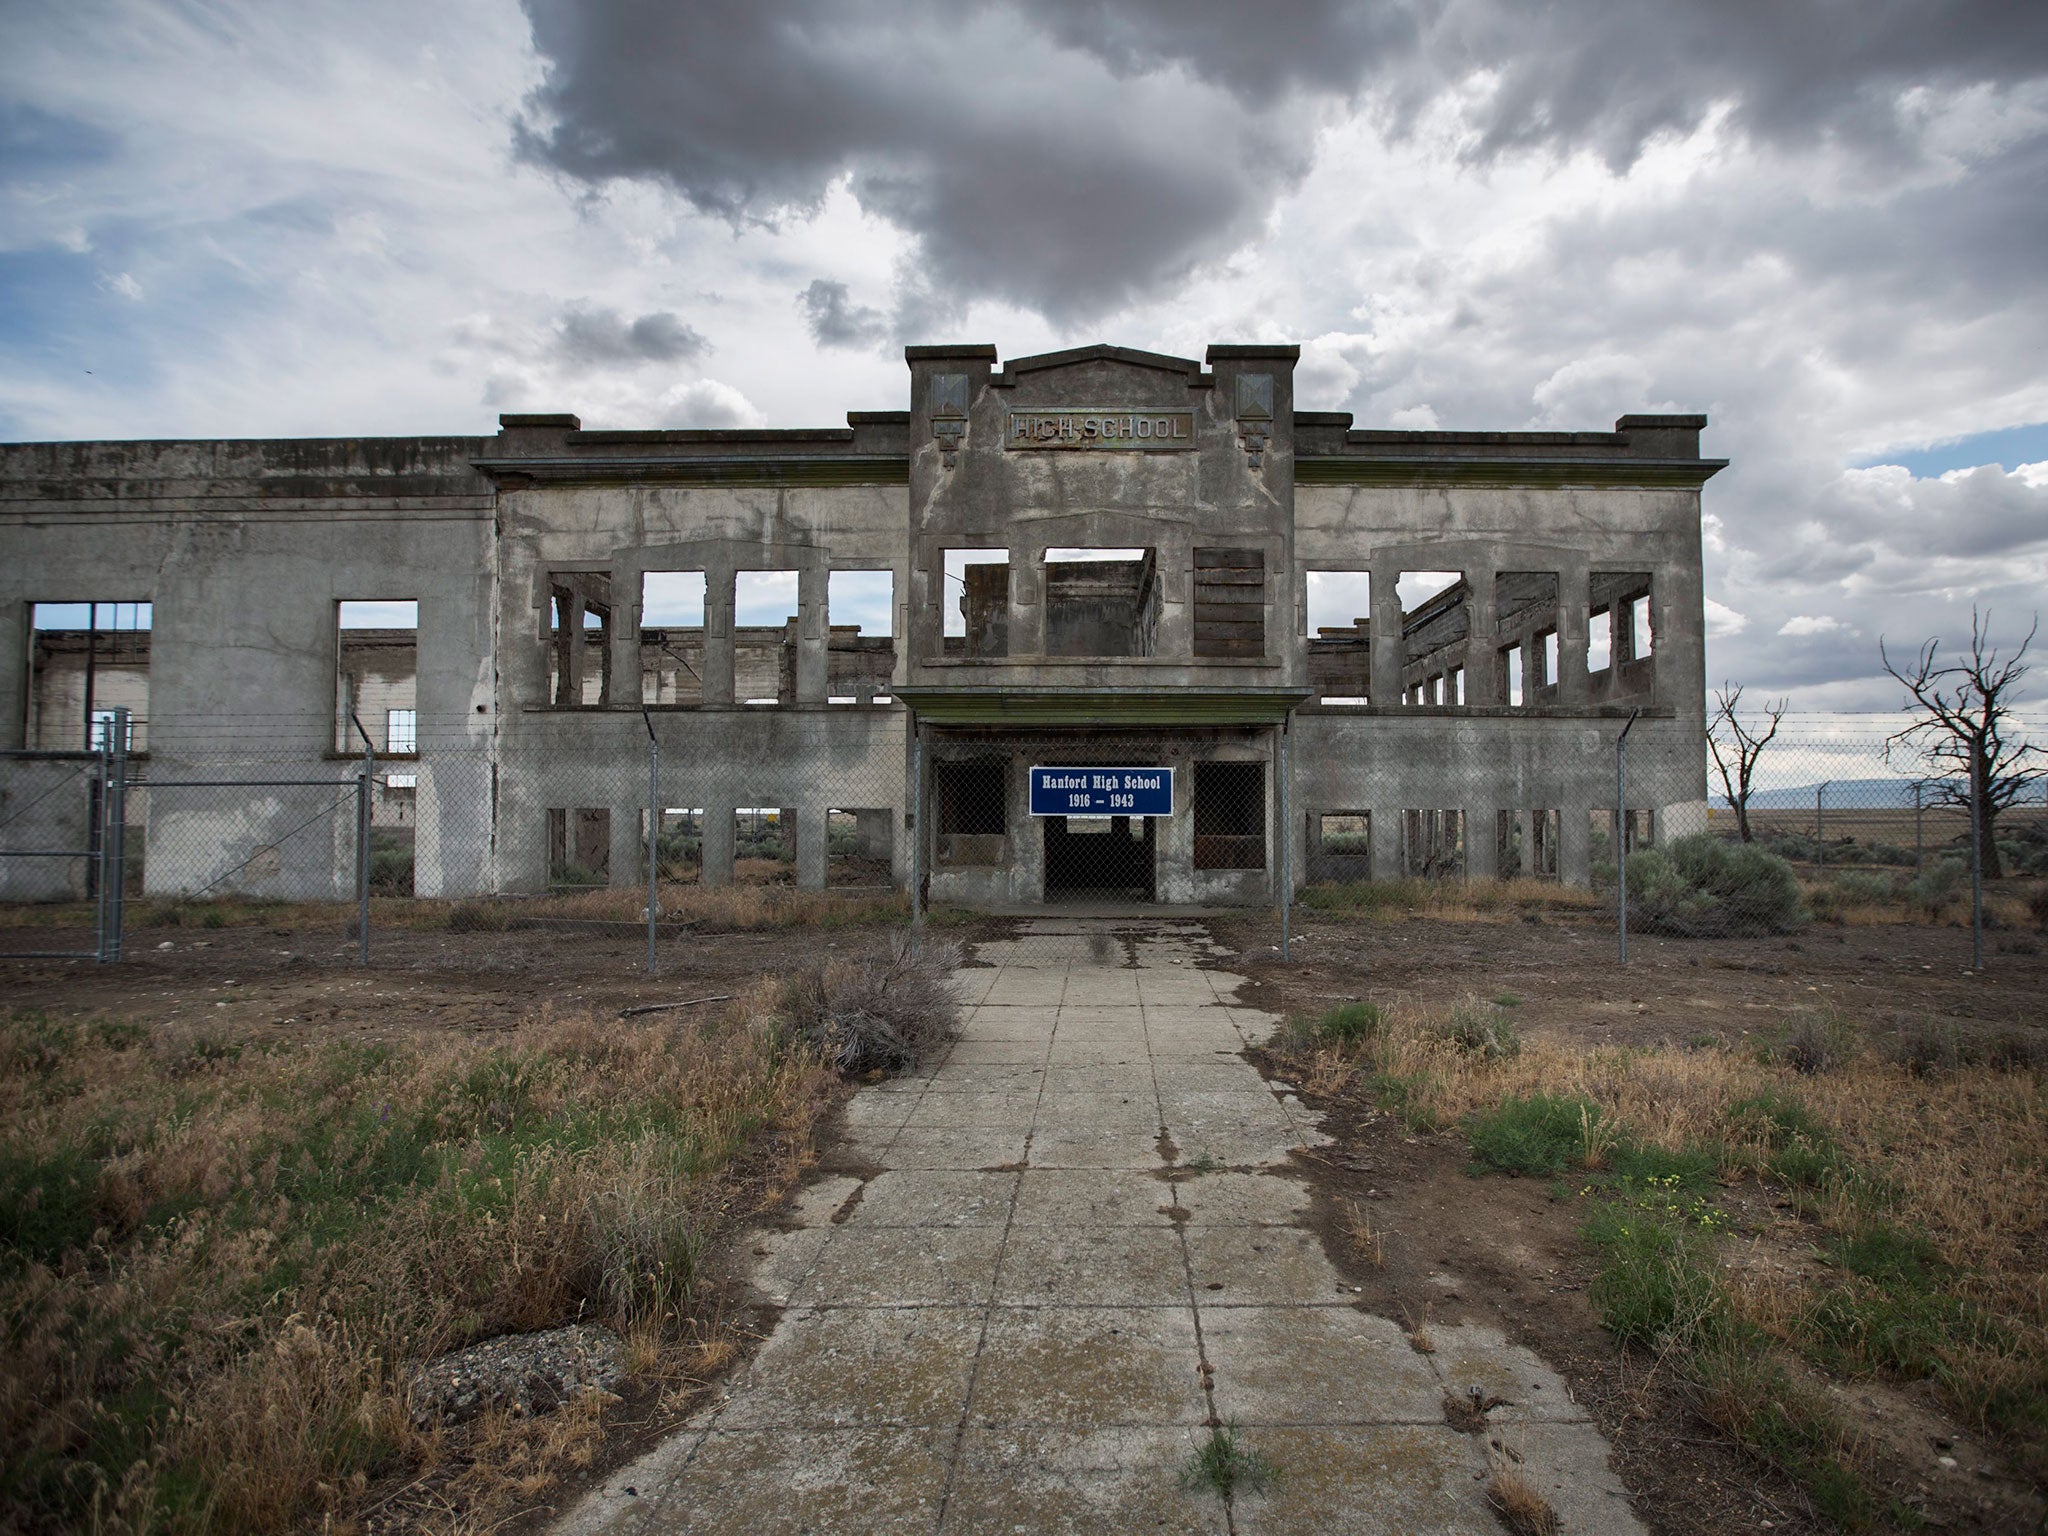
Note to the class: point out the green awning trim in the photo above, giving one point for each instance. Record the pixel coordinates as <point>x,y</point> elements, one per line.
<point>1031,707</point>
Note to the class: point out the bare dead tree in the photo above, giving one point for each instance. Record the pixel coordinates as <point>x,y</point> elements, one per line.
<point>1966,734</point>
<point>1736,747</point>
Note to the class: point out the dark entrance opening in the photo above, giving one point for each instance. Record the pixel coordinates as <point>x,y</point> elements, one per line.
<point>1099,858</point>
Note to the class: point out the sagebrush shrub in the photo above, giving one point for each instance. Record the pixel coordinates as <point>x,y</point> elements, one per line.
<point>886,1015</point>
<point>1703,886</point>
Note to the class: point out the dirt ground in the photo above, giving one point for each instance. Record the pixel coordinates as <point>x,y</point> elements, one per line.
<point>1567,978</point>
<point>284,976</point>
<point>1507,1251</point>
<point>1456,1248</point>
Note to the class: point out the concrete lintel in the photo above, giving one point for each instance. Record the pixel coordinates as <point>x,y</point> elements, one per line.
<point>1423,469</point>
<point>1136,707</point>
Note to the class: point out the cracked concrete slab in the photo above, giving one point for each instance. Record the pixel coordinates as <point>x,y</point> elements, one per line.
<point>1027,1319</point>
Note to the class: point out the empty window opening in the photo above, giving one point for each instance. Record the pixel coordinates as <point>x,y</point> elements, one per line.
<point>1512,679</point>
<point>672,637</point>
<point>1337,615</point>
<point>377,672</point>
<point>1230,815</point>
<point>103,732</point>
<point>1638,831</point>
<point>1526,844</point>
<point>1436,627</point>
<point>85,661</point>
<point>1599,641</point>
<point>1433,843</point>
<point>763,845</point>
<point>764,642</point>
<point>579,638</point>
<point>860,846</point>
<point>1457,685</point>
<point>579,847</point>
<point>970,810</point>
<point>861,653</point>
<point>1101,602</point>
<point>1436,689</point>
<point>391,843</point>
<point>1525,620</point>
<point>975,603</point>
<point>401,732</point>
<point>1620,610</point>
<point>1230,603</point>
<point>679,846</point>
<point>1340,846</point>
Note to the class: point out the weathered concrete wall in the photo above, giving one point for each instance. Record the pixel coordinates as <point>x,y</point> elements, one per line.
<point>47,808</point>
<point>244,549</point>
<point>1026,501</point>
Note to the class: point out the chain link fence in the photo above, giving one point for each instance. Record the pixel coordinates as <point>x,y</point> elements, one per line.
<point>662,826</point>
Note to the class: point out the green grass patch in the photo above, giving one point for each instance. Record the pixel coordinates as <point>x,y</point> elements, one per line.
<point>1347,1027</point>
<point>1537,1136</point>
<point>1749,1395</point>
<point>1656,1283</point>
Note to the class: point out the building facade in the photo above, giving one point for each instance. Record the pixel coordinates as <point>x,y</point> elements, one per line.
<point>1359,653</point>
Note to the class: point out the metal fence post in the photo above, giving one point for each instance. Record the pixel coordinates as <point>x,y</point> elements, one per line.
<point>115,841</point>
<point>1976,865</point>
<point>363,779</point>
<point>363,865</point>
<point>917,828</point>
<point>1621,832</point>
<point>96,844</point>
<point>653,830</point>
<point>1918,856</point>
<point>1286,855</point>
<point>1820,846</point>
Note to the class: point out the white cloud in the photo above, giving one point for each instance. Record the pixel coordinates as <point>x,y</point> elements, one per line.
<point>708,403</point>
<point>1723,621</point>
<point>1802,624</point>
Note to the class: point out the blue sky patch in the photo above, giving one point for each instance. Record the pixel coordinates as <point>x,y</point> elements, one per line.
<point>2010,447</point>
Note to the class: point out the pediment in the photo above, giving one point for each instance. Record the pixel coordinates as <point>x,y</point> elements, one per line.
<point>1102,360</point>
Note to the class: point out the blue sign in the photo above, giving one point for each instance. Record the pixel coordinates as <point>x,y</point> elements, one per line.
<point>1102,791</point>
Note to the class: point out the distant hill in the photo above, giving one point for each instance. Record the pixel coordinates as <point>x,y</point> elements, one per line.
<point>1842,795</point>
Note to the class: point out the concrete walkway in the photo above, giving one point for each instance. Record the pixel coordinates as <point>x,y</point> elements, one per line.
<point>1072,1259</point>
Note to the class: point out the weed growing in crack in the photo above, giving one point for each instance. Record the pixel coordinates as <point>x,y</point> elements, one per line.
<point>1224,1465</point>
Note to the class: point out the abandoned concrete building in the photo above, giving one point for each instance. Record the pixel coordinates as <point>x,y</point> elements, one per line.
<point>1308,652</point>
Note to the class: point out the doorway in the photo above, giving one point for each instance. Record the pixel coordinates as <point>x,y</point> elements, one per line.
<point>1099,858</point>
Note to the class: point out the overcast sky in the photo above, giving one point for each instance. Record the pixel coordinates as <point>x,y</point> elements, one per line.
<point>1824,224</point>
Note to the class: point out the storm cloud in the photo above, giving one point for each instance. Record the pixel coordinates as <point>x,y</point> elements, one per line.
<point>835,320</point>
<point>1070,154</point>
<point>605,338</point>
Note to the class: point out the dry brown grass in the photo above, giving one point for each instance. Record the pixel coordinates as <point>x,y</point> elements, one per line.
<point>712,907</point>
<point>219,1251</point>
<point>1521,1508</point>
<point>1369,1241</point>
<point>746,905</point>
<point>1453,900</point>
<point>1958,1156</point>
